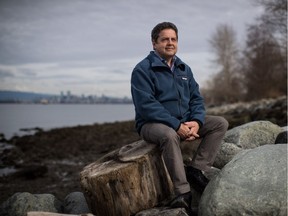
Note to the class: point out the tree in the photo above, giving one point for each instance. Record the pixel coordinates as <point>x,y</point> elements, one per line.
<point>263,70</point>
<point>265,54</point>
<point>275,20</point>
<point>275,16</point>
<point>224,86</point>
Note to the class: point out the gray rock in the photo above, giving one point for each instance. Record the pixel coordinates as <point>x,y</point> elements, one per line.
<point>273,109</point>
<point>163,212</point>
<point>281,138</point>
<point>21,203</point>
<point>253,134</point>
<point>212,173</point>
<point>226,152</point>
<point>75,203</point>
<point>254,182</point>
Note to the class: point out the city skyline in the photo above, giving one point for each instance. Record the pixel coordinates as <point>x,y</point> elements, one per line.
<point>61,98</point>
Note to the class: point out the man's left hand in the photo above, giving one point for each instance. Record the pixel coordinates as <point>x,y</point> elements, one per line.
<point>194,128</point>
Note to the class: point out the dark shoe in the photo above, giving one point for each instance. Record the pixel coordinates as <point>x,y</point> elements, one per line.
<point>183,201</point>
<point>196,178</point>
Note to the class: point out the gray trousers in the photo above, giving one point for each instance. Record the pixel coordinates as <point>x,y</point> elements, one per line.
<point>211,132</point>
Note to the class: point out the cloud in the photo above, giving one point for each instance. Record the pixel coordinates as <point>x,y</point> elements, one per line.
<point>4,73</point>
<point>45,31</point>
<point>57,77</point>
<point>83,46</point>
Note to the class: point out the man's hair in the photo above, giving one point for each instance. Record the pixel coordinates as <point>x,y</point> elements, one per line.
<point>161,26</point>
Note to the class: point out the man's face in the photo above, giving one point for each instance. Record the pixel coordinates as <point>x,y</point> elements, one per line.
<point>166,44</point>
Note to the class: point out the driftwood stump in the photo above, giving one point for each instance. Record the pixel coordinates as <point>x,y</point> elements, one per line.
<point>126,181</point>
<point>37,213</point>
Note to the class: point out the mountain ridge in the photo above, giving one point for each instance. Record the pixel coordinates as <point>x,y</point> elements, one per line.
<point>14,96</point>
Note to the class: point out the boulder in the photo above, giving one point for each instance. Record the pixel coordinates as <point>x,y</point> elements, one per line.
<point>126,181</point>
<point>273,110</point>
<point>254,182</point>
<point>75,203</point>
<point>246,136</point>
<point>226,152</point>
<point>163,212</point>
<point>253,134</point>
<point>282,137</point>
<point>21,203</point>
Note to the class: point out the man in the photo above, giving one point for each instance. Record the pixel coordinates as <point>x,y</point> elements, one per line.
<point>169,109</point>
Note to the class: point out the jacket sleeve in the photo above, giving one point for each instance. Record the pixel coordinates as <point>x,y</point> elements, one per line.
<point>146,105</point>
<point>197,107</point>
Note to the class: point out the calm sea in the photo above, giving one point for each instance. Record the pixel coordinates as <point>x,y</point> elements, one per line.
<point>14,117</point>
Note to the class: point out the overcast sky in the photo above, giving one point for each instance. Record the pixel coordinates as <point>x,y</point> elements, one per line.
<point>91,46</point>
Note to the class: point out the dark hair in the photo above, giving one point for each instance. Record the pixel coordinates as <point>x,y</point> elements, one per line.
<point>161,26</point>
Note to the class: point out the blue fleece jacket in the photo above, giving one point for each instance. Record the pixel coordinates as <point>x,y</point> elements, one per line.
<point>162,96</point>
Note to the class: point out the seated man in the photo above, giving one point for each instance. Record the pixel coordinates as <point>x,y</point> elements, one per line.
<point>170,109</point>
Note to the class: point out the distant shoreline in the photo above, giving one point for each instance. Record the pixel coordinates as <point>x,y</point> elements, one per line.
<point>62,98</point>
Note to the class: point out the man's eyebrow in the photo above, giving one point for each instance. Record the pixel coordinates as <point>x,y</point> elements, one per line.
<point>168,37</point>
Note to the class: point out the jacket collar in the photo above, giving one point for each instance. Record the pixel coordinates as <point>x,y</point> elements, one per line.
<point>156,61</point>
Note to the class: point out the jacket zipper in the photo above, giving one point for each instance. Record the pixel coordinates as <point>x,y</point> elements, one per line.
<point>179,95</point>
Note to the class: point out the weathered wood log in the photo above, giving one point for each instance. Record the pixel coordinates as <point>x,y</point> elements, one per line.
<point>38,213</point>
<point>126,181</point>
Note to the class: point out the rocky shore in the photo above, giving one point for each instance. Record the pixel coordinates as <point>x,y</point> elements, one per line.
<point>49,162</point>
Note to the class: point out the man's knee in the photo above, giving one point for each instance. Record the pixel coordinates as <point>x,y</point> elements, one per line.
<point>217,122</point>
<point>170,138</point>
<point>223,123</point>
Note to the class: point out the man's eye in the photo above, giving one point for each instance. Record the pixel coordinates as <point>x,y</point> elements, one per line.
<point>168,39</point>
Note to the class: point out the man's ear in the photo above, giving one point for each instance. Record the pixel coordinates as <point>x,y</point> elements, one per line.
<point>153,44</point>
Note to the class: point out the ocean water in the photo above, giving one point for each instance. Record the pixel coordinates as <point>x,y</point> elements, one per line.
<point>16,117</point>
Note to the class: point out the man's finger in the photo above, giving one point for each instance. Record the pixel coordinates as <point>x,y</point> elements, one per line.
<point>195,135</point>
<point>190,138</point>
